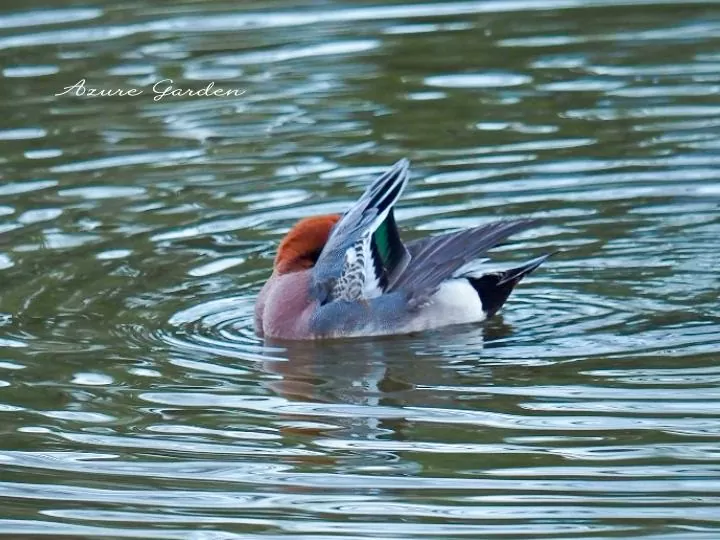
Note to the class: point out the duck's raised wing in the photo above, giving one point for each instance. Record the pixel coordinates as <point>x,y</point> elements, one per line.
<point>364,254</point>
<point>438,258</point>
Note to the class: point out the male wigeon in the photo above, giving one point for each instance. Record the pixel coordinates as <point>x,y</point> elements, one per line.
<point>351,275</point>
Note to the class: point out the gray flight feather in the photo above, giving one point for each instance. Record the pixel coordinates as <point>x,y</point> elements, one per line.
<point>331,271</point>
<point>437,258</point>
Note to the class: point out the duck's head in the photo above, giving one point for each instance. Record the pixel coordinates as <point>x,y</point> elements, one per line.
<point>301,247</point>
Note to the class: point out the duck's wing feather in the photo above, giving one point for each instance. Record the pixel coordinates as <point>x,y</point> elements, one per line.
<point>364,253</point>
<point>437,258</point>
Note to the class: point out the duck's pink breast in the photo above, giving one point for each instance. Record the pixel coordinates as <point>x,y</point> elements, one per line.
<point>283,307</point>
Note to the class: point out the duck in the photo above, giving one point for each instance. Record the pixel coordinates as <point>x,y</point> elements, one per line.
<point>351,275</point>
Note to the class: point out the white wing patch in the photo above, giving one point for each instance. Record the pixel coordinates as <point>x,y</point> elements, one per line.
<point>372,287</point>
<point>358,280</point>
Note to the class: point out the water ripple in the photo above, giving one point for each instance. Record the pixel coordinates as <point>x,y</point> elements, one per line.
<point>134,234</point>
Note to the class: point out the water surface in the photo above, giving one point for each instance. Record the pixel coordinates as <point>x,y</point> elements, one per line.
<point>134,234</point>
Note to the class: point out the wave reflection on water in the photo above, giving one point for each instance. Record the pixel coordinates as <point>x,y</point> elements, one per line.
<point>134,234</point>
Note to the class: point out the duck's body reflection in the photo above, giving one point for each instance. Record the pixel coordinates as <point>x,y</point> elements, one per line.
<point>369,382</point>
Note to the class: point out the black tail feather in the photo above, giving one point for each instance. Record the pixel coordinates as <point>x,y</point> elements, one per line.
<point>494,289</point>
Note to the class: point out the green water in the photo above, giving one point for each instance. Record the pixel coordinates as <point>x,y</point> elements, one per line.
<point>135,400</point>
